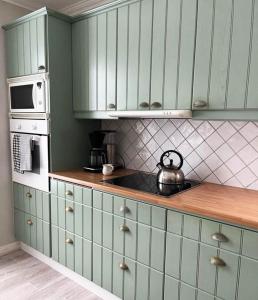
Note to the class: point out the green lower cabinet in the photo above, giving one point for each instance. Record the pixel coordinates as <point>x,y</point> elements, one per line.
<point>248,287</point>
<point>32,231</point>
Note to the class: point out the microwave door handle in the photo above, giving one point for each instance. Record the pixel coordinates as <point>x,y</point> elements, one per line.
<point>34,96</point>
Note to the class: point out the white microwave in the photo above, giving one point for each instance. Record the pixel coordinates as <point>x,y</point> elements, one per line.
<point>29,94</point>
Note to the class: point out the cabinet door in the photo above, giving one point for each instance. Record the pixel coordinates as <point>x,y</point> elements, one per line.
<point>87,259</point>
<point>69,215</point>
<point>26,48</point>
<point>55,242</point>
<point>225,60</point>
<point>70,250</point>
<point>97,264</point>
<point>118,275</point>
<point>107,270</point>
<point>248,288</point>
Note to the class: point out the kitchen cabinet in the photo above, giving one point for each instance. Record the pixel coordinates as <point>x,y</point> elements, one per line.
<point>26,47</point>
<point>226,56</point>
<point>122,63</point>
<point>32,217</point>
<point>140,251</point>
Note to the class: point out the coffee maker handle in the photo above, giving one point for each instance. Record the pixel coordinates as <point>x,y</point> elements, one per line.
<point>104,158</point>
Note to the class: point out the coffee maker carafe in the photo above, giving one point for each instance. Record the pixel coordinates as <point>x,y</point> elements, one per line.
<point>98,153</point>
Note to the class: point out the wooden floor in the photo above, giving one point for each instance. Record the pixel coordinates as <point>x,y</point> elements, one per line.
<point>24,277</point>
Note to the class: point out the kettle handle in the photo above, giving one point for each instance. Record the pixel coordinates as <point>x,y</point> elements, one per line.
<point>167,154</point>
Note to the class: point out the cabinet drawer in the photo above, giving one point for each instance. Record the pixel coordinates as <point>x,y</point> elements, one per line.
<point>33,231</point>
<point>71,216</point>
<point>208,232</point>
<point>72,251</point>
<point>71,192</point>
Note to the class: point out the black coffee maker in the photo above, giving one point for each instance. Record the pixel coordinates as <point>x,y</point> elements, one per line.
<point>98,153</point>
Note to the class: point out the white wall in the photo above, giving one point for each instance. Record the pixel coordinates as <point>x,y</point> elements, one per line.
<point>8,12</point>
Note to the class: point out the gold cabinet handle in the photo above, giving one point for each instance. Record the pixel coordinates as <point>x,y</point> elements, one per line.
<point>69,241</point>
<point>28,195</point>
<point>69,209</point>
<point>219,237</point>
<point>41,68</point>
<point>217,261</point>
<point>124,228</point>
<point>124,209</point>
<point>123,266</point>
<point>69,193</point>
<point>156,105</point>
<point>144,105</point>
<point>111,106</point>
<point>200,104</point>
<point>29,222</point>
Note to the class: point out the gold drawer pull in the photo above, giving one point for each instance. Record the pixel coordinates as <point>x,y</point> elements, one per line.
<point>124,209</point>
<point>28,195</point>
<point>69,241</point>
<point>29,222</point>
<point>69,209</point>
<point>111,106</point>
<point>69,193</point>
<point>144,105</point>
<point>219,237</point>
<point>217,261</point>
<point>123,266</point>
<point>156,105</point>
<point>124,228</point>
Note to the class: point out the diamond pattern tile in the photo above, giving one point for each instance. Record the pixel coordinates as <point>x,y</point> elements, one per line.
<point>214,151</point>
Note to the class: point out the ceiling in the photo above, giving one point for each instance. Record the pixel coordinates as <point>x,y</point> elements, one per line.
<point>70,7</point>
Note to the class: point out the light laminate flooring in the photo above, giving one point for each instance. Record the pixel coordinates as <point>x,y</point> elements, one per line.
<point>23,277</point>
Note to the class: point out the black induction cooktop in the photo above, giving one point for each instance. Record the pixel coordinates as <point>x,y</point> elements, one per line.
<point>147,182</point>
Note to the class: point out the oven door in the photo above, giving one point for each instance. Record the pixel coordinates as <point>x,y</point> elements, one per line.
<point>38,177</point>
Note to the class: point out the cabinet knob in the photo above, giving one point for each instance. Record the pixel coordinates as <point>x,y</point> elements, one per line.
<point>69,209</point>
<point>217,261</point>
<point>41,68</point>
<point>28,195</point>
<point>29,222</point>
<point>69,193</point>
<point>69,241</point>
<point>123,266</point>
<point>124,209</point>
<point>219,237</point>
<point>200,104</point>
<point>111,106</point>
<point>144,105</point>
<point>156,105</point>
<point>124,228</point>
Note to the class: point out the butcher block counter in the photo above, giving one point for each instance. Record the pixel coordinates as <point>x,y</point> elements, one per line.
<point>229,204</point>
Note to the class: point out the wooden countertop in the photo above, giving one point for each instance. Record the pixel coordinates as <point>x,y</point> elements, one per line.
<point>229,204</point>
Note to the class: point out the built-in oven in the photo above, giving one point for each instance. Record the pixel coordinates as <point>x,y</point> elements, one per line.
<point>29,94</point>
<point>37,133</point>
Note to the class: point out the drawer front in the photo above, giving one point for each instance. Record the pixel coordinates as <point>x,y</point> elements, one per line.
<point>134,240</point>
<point>33,231</point>
<point>250,244</point>
<point>71,192</point>
<point>130,209</point>
<point>208,232</point>
<point>71,216</point>
<point>31,201</point>
<point>72,251</point>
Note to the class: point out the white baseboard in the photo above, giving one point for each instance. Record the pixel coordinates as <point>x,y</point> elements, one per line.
<point>87,284</point>
<point>9,248</point>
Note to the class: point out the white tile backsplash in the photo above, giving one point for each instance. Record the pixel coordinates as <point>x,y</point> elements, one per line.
<point>213,151</point>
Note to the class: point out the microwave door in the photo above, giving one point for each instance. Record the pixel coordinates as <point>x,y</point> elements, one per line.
<point>21,98</point>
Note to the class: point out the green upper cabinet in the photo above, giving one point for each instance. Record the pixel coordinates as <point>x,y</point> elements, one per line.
<point>226,59</point>
<point>136,56</point>
<point>26,47</point>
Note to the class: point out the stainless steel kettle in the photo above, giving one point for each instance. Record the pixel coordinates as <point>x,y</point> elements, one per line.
<point>170,174</point>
